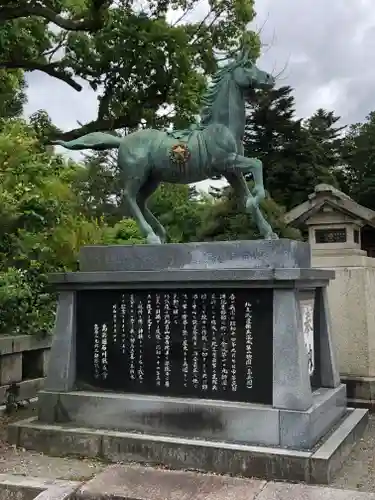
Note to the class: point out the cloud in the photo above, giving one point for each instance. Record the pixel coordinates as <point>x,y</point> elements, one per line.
<point>65,106</point>
<point>327,47</point>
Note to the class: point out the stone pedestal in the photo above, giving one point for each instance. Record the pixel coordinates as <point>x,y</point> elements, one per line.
<point>219,342</point>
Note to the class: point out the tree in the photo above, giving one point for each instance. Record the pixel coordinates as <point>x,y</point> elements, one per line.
<point>98,183</point>
<point>41,228</point>
<point>180,208</point>
<point>292,152</point>
<point>137,60</point>
<point>12,93</point>
<point>270,123</point>
<point>225,220</point>
<point>358,172</point>
<point>328,137</point>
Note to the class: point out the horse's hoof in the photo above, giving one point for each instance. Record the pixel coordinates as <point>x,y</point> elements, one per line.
<point>152,239</point>
<point>252,203</point>
<point>272,236</point>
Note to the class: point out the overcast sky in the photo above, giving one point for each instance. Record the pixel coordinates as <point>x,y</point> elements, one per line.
<point>327,48</point>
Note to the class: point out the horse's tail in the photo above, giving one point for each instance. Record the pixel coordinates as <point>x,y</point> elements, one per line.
<point>98,141</point>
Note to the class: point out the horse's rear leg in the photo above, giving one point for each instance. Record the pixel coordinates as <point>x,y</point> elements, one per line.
<point>145,192</point>
<point>132,188</point>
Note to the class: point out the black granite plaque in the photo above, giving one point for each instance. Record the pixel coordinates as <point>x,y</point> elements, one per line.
<point>203,343</point>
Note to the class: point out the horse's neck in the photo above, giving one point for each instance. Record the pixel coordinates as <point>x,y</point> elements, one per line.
<point>229,109</point>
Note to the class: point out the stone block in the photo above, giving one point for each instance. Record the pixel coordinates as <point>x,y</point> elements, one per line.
<point>145,483</point>
<point>16,487</point>
<point>62,361</point>
<point>182,278</point>
<point>70,442</point>
<point>64,492</point>
<point>190,418</point>
<point>304,429</point>
<point>332,453</point>
<point>278,491</point>
<point>206,456</point>
<point>45,361</point>
<point>317,466</point>
<point>291,382</point>
<point>18,343</point>
<point>48,407</point>
<point>329,374</point>
<point>255,254</point>
<point>10,368</point>
<point>194,418</point>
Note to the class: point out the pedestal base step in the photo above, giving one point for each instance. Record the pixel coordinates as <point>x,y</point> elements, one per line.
<point>315,467</point>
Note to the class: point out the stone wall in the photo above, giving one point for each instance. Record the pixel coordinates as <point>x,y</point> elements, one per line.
<point>352,302</point>
<point>23,363</point>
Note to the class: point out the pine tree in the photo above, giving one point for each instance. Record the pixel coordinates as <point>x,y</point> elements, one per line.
<point>270,123</point>
<point>358,172</point>
<point>328,137</point>
<point>290,151</point>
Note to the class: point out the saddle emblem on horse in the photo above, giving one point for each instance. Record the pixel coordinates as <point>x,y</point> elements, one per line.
<point>179,154</point>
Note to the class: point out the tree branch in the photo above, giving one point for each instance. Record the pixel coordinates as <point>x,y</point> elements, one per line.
<point>51,69</point>
<point>94,23</point>
<point>125,121</point>
<point>107,124</point>
<point>105,101</point>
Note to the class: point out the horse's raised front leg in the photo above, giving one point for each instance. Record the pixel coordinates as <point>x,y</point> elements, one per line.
<point>131,190</point>
<point>255,166</point>
<point>241,189</point>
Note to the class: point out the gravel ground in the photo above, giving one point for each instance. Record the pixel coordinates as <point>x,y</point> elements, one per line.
<point>28,463</point>
<point>357,474</point>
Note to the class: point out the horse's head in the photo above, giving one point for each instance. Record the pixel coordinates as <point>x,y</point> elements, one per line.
<point>248,77</point>
<point>230,86</point>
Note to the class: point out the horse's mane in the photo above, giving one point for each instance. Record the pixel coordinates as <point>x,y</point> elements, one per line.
<point>211,93</point>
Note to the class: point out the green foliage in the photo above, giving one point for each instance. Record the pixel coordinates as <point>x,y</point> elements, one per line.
<point>136,59</point>
<point>357,174</point>
<point>41,228</point>
<point>12,93</point>
<point>328,138</point>
<point>225,220</point>
<point>180,209</point>
<point>26,306</point>
<point>124,232</point>
<point>98,184</point>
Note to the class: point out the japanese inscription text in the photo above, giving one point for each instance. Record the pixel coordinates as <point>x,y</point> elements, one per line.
<point>203,343</point>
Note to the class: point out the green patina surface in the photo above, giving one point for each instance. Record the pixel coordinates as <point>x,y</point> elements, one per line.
<point>212,148</point>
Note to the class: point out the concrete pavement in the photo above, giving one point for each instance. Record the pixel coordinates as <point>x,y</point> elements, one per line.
<point>136,482</point>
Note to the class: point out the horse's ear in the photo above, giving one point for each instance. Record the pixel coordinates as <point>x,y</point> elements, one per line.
<point>244,52</point>
<point>242,55</point>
